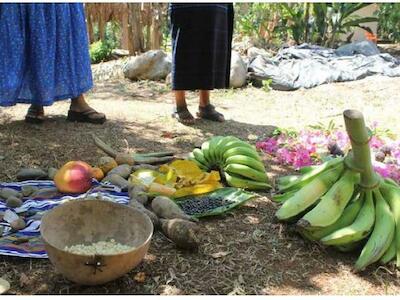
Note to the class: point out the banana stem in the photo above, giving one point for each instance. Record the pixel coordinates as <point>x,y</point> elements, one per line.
<point>104,147</point>
<point>361,153</point>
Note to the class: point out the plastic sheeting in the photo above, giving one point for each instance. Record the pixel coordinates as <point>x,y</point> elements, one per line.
<point>307,66</point>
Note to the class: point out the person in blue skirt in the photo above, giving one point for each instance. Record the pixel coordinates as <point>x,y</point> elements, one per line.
<point>201,55</point>
<point>44,58</point>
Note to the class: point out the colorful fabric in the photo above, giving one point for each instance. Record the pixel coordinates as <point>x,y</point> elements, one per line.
<point>44,54</point>
<point>34,248</point>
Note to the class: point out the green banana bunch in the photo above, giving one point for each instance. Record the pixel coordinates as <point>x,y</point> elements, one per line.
<point>238,162</point>
<point>330,208</point>
<point>344,204</point>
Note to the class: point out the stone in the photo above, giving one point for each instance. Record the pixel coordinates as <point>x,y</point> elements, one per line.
<point>28,190</point>
<point>13,202</point>
<point>238,74</point>
<point>168,79</point>
<point>122,170</point>
<point>4,286</point>
<point>18,224</point>
<point>152,65</point>
<point>31,174</point>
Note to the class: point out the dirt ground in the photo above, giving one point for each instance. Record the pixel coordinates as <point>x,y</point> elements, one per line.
<point>244,252</point>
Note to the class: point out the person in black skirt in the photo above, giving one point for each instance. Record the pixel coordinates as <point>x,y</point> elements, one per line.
<point>201,55</point>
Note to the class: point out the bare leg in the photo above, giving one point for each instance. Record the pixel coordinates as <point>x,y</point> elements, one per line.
<point>180,98</point>
<point>206,110</point>
<point>181,113</point>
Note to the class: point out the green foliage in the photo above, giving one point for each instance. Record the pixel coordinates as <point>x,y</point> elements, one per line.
<point>341,18</point>
<point>99,51</point>
<point>389,21</point>
<point>295,19</point>
<point>319,23</point>
<point>257,20</point>
<point>266,85</point>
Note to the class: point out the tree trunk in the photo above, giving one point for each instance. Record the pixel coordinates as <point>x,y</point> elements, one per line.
<point>125,31</point>
<point>135,33</point>
<point>306,20</point>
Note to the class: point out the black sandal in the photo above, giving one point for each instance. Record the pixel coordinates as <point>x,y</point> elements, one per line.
<point>35,115</point>
<point>208,112</point>
<point>87,116</point>
<point>183,115</point>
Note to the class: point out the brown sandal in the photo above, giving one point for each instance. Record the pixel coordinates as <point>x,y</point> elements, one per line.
<point>183,115</point>
<point>35,115</point>
<point>87,116</point>
<point>208,112</point>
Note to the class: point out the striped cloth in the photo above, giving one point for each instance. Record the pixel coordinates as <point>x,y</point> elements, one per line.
<point>35,248</point>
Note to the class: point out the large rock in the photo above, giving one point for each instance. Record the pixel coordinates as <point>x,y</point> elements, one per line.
<point>238,71</point>
<point>152,65</point>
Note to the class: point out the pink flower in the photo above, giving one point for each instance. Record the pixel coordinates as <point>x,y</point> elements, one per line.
<point>376,142</point>
<point>284,156</point>
<point>269,146</point>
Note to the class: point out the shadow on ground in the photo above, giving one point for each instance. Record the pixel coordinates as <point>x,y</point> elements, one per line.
<point>243,252</point>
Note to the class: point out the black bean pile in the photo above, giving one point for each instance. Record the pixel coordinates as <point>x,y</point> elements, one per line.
<point>200,205</point>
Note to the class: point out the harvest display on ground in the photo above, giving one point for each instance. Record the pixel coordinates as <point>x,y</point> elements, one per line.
<point>341,203</point>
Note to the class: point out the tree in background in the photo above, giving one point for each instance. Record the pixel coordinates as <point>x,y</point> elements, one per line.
<point>389,21</point>
<point>140,24</point>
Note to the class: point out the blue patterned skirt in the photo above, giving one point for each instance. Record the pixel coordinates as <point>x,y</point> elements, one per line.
<point>44,53</point>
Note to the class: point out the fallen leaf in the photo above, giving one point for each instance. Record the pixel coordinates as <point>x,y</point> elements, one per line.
<point>4,286</point>
<point>24,280</point>
<point>168,135</point>
<point>140,277</point>
<point>2,157</point>
<point>220,254</point>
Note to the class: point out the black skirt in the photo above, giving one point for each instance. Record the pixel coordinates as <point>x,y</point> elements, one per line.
<point>201,45</point>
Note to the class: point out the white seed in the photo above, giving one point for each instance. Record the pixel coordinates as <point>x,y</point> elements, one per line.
<point>100,248</point>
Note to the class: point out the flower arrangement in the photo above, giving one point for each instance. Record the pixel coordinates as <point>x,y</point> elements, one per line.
<point>313,144</point>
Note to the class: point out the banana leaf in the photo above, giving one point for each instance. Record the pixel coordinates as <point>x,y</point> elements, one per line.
<point>233,196</point>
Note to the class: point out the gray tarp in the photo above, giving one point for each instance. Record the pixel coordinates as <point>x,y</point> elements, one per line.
<point>308,66</point>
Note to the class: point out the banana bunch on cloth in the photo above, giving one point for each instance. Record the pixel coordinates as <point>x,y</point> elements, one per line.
<point>238,162</point>
<point>343,203</point>
<point>177,179</point>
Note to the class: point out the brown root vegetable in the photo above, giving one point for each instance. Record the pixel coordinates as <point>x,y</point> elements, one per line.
<point>5,193</point>
<point>160,189</point>
<point>28,190</point>
<point>122,170</point>
<point>165,208</point>
<point>154,219</point>
<point>13,202</point>
<point>31,174</point>
<point>51,172</point>
<point>18,224</point>
<point>183,233</point>
<point>125,158</point>
<point>117,180</point>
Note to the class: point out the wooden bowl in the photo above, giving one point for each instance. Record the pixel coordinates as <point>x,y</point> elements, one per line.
<point>91,221</point>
